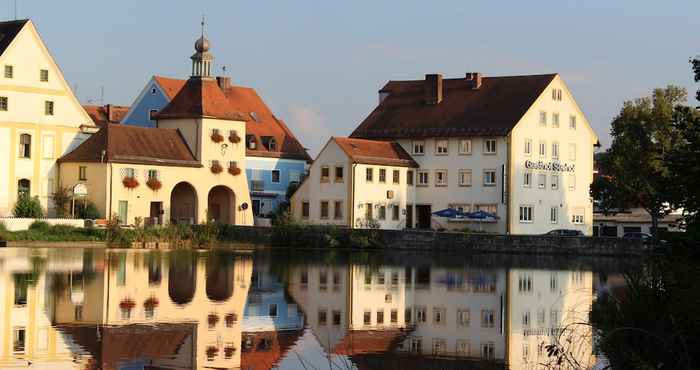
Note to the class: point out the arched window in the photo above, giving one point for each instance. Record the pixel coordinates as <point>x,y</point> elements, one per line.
<point>23,187</point>
<point>25,146</point>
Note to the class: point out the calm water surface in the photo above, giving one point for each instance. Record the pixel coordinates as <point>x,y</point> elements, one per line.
<point>126,309</point>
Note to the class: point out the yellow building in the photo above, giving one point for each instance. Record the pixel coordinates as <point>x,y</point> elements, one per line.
<point>40,118</point>
<point>189,169</point>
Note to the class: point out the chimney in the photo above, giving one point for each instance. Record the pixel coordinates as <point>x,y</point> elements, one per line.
<point>223,82</point>
<point>473,80</point>
<point>110,113</point>
<point>433,89</point>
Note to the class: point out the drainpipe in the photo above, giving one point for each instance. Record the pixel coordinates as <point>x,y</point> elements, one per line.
<point>111,171</point>
<point>351,221</point>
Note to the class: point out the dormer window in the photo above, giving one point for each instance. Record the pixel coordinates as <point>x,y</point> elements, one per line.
<point>250,142</point>
<point>269,143</point>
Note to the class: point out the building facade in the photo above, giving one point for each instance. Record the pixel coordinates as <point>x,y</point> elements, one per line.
<point>517,147</point>
<point>40,117</point>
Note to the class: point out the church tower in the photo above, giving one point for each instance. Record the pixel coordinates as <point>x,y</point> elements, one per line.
<point>202,59</point>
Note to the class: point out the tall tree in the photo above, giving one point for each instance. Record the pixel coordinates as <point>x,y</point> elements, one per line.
<point>636,173</point>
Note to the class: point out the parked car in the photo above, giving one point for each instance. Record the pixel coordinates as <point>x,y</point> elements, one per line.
<point>565,232</point>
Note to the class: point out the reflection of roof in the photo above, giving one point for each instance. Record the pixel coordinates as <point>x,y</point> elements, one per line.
<point>266,348</point>
<point>491,109</point>
<point>377,152</point>
<point>8,32</point>
<point>411,361</point>
<point>370,341</point>
<point>102,114</point>
<point>131,144</point>
<point>110,345</point>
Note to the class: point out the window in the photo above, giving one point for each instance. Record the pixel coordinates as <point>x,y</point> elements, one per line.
<point>382,212</point>
<point>324,209</point>
<point>294,176</point>
<point>572,152</point>
<point>543,118</point>
<point>440,177</point>
<point>409,177</point>
<point>423,178</point>
<point>368,211</point>
<point>82,173</point>
<point>387,298</point>
<point>490,146</point>
<point>543,149</point>
<point>272,310</point>
<point>18,340</point>
<point>463,317</point>
<point>48,108</point>
<point>44,75</point>
<point>487,318</point>
<point>408,315</point>
<point>395,212</point>
<point>527,147</point>
<point>325,174</point>
<point>555,120</point>
<point>305,209</point>
<point>380,317</point>
<point>396,176</point>
<point>525,283</point>
<point>419,147</point>
<point>465,146</point>
<point>555,182</point>
<point>572,122</point>
<point>526,351</point>
<point>369,174</point>
<point>489,177</point>
<point>577,217</point>
<point>338,210</point>
<point>527,179</point>
<point>554,215</point>
<point>48,147</point>
<point>304,277</point>
<point>441,146</point>
<point>554,318</point>
<point>336,278</point>
<point>526,214</point>
<point>572,182</point>
<point>555,150</point>
<point>394,278</point>
<point>526,319</point>
<point>439,315</point>
<point>556,94</point>
<point>21,287</point>
<point>420,314</point>
<point>541,316</point>
<point>465,177</point>
<point>541,181</point>
<point>275,176</point>
<point>3,103</point>
<point>559,94</point>
<point>323,280</point>
<point>336,318</point>
<point>394,316</point>
<point>323,317</point>
<point>439,346</point>
<point>338,173</point>
<point>553,283</point>
<point>417,345</point>
<point>462,348</point>
<point>272,144</point>
<point>9,71</point>
<point>382,175</point>
<point>25,146</point>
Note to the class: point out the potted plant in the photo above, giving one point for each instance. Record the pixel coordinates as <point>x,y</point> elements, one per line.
<point>216,168</point>
<point>234,170</point>
<point>127,304</point>
<point>216,137</point>
<point>230,319</point>
<point>229,351</point>
<point>234,138</point>
<point>130,182</point>
<point>212,319</point>
<point>211,352</point>
<point>154,183</point>
<point>151,302</point>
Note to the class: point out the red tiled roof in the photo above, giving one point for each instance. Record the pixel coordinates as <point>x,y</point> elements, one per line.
<point>102,114</point>
<point>8,31</point>
<point>200,98</point>
<point>266,358</point>
<point>378,152</point>
<point>131,144</point>
<point>370,341</point>
<point>491,109</point>
<point>171,86</point>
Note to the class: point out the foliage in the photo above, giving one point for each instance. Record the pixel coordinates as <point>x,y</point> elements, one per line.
<point>216,168</point>
<point>291,189</point>
<point>28,207</point>
<point>130,182</point>
<point>86,210</point>
<point>684,164</point>
<point>62,200</point>
<point>695,63</point>
<point>234,138</point>
<point>234,171</point>
<point>154,184</point>
<point>42,231</point>
<point>217,137</point>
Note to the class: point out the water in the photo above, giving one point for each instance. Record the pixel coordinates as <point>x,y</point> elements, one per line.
<point>133,309</point>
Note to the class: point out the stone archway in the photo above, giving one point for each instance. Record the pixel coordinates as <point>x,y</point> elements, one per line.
<point>182,277</point>
<point>221,205</point>
<point>183,204</point>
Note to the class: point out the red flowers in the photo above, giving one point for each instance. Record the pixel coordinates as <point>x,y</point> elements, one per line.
<point>127,304</point>
<point>235,171</point>
<point>216,168</point>
<point>130,182</point>
<point>151,302</point>
<point>154,184</point>
<point>217,137</point>
<point>234,138</point>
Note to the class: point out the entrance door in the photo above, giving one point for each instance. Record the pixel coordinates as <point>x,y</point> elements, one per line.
<point>256,207</point>
<point>156,213</point>
<point>123,211</point>
<point>424,216</point>
<point>215,212</point>
<point>409,216</point>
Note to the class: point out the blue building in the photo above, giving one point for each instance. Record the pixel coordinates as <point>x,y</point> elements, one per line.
<point>274,156</point>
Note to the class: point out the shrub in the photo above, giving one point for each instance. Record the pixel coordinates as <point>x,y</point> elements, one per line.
<point>86,210</point>
<point>28,207</point>
<point>61,199</point>
<point>39,226</point>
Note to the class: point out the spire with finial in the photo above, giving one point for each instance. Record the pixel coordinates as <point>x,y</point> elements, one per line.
<point>202,59</point>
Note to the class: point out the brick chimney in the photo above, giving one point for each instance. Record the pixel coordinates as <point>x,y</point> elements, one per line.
<point>223,82</point>
<point>474,80</point>
<point>110,113</point>
<point>433,89</point>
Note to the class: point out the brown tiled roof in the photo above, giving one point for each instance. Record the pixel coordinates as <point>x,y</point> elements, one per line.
<point>171,86</point>
<point>8,32</point>
<point>280,342</point>
<point>370,341</point>
<point>492,109</point>
<point>378,152</point>
<point>102,114</point>
<point>200,98</point>
<point>138,145</point>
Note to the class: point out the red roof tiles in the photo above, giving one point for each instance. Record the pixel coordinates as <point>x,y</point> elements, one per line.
<point>138,145</point>
<point>375,152</point>
<point>171,86</point>
<point>494,108</point>
<point>200,98</point>
<point>103,114</point>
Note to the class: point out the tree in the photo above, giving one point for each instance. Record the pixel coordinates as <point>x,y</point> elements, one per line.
<point>696,70</point>
<point>27,207</point>
<point>636,173</point>
<point>61,200</point>
<point>684,164</point>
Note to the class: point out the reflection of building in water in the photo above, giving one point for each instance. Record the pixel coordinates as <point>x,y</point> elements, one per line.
<point>27,277</point>
<point>171,310</point>
<point>272,322</point>
<point>548,307</point>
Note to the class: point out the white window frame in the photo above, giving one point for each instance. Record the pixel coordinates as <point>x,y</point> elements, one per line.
<point>554,182</point>
<point>495,179</point>
<point>527,179</point>
<point>421,144</point>
<point>441,149</point>
<point>555,120</point>
<point>542,149</point>
<point>527,147</point>
<point>487,149</point>
<point>465,174</point>
<point>555,150</point>
<point>554,214</point>
<point>419,181</point>
<point>465,147</point>
<point>578,216</point>
<point>572,122</point>
<point>526,213</point>
<point>543,118</point>
<point>444,178</point>
<point>542,181</point>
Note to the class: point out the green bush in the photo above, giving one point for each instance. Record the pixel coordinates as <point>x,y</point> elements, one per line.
<point>28,207</point>
<point>86,211</point>
<point>39,226</point>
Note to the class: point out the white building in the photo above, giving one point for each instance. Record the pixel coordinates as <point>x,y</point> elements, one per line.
<point>518,147</point>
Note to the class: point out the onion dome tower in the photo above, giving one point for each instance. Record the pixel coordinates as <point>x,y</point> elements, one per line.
<point>202,59</point>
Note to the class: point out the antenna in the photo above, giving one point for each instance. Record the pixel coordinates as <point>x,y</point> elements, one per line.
<point>102,95</point>
<point>15,9</point>
<point>203,22</point>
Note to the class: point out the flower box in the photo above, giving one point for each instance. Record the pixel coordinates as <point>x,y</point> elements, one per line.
<point>235,171</point>
<point>217,137</point>
<point>216,168</point>
<point>130,182</point>
<point>211,352</point>
<point>151,302</point>
<point>127,304</point>
<point>154,184</point>
<point>234,138</point>
<point>230,319</point>
<point>229,351</point>
<point>212,319</point>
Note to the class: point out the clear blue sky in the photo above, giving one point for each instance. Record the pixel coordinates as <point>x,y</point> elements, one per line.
<point>319,64</point>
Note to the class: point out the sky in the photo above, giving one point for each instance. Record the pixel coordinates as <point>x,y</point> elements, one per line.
<point>319,64</point>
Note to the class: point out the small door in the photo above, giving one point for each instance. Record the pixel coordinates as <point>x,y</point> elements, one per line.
<point>123,211</point>
<point>156,212</point>
<point>256,207</point>
<point>424,216</point>
<point>409,216</point>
